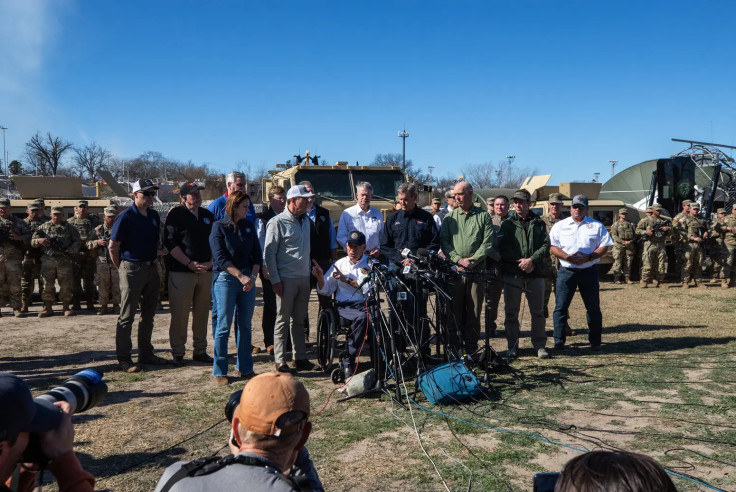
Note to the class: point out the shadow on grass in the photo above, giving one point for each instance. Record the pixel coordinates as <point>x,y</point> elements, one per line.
<point>634,327</point>
<point>665,344</point>
<point>38,362</point>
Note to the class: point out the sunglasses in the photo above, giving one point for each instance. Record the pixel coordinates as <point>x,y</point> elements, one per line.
<point>578,206</point>
<point>148,193</point>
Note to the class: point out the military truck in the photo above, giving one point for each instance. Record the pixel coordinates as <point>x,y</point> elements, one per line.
<point>335,185</point>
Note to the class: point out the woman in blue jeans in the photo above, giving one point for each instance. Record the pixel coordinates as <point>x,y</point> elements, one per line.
<point>236,260</point>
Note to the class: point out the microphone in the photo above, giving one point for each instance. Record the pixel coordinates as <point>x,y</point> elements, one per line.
<point>426,253</point>
<point>365,281</point>
<point>406,253</point>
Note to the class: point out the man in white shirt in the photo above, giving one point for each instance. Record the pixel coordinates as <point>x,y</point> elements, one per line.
<point>345,279</point>
<point>364,218</point>
<point>579,242</point>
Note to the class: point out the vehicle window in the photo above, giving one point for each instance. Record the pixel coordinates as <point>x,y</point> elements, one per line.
<point>384,183</point>
<point>333,183</point>
<point>538,210</point>
<point>605,216</point>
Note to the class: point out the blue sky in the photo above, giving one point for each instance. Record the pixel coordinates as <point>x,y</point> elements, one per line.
<point>564,86</point>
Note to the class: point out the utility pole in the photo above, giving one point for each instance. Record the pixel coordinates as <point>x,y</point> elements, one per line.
<point>403,134</point>
<point>431,168</point>
<point>5,153</point>
<point>613,166</point>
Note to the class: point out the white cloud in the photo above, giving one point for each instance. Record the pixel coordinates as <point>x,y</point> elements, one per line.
<point>29,28</point>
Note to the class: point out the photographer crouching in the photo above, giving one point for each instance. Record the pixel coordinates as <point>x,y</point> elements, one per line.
<point>21,416</point>
<point>270,426</point>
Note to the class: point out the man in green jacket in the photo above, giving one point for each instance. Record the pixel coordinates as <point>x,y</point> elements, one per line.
<point>524,247</point>
<point>467,238</point>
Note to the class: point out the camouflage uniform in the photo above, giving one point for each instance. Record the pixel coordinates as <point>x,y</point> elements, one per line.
<point>57,264</point>
<point>84,264</point>
<point>550,277</point>
<point>730,241</point>
<point>108,280</point>
<point>654,255</point>
<point>11,257</point>
<point>680,242</point>
<point>692,266</point>
<point>623,255</point>
<point>715,247</point>
<point>32,264</point>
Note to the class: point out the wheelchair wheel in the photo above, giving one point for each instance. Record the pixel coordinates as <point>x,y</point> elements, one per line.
<point>337,376</point>
<point>326,324</point>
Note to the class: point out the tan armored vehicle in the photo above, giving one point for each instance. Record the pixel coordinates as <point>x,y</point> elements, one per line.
<point>56,191</point>
<point>335,185</point>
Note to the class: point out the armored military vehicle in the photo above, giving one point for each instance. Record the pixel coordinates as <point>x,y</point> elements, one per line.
<point>56,191</point>
<point>335,185</point>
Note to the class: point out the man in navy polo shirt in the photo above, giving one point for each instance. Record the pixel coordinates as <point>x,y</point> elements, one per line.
<point>134,245</point>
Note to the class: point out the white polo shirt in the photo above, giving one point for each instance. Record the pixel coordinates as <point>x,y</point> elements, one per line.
<point>354,271</point>
<point>585,237</point>
<point>370,223</point>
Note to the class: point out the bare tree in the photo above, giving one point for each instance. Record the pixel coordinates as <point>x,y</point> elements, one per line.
<point>89,159</point>
<point>481,175</point>
<point>15,167</point>
<point>44,153</point>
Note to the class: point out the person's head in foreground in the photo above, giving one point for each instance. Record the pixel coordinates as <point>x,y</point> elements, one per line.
<point>613,471</point>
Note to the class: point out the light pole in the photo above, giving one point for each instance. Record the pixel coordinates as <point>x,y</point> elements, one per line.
<point>613,166</point>
<point>403,134</point>
<point>5,153</point>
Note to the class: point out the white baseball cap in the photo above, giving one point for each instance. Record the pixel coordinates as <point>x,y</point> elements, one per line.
<point>298,191</point>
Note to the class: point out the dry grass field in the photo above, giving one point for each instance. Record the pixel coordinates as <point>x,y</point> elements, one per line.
<point>664,385</point>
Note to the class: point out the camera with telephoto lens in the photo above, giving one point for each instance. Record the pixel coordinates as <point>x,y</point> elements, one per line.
<point>82,391</point>
<point>232,404</point>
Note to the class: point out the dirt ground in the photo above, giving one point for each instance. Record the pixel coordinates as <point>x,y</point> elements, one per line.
<point>663,385</point>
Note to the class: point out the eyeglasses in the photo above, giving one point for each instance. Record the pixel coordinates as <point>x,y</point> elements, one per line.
<point>576,206</point>
<point>148,193</point>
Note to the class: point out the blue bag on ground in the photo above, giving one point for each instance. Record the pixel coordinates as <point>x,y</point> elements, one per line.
<point>449,383</point>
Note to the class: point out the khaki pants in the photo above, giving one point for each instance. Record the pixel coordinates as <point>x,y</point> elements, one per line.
<point>291,311</point>
<point>138,285</point>
<point>189,292</point>
<point>533,289</point>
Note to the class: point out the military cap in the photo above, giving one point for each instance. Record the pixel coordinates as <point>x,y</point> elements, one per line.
<point>687,202</point>
<point>522,195</point>
<point>40,201</point>
<point>695,205</point>
<point>82,203</point>
<point>34,206</point>
<point>721,211</point>
<point>623,211</point>
<point>656,206</point>
<point>57,209</point>
<point>437,201</point>
<point>111,211</point>
<point>648,210</point>
<point>490,200</point>
<point>555,198</point>
<point>4,202</point>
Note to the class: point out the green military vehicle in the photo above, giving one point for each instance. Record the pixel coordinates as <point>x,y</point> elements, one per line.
<point>335,185</point>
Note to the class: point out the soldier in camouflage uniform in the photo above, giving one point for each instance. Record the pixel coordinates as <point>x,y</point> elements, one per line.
<point>60,242</point>
<point>680,243</point>
<point>623,234</point>
<point>729,240</point>
<point>14,239</point>
<point>84,266</point>
<point>108,281</point>
<point>715,248</point>
<point>695,230</point>
<point>653,231</point>
<point>32,259</point>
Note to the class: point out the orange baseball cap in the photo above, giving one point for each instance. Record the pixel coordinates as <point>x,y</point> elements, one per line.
<point>267,397</point>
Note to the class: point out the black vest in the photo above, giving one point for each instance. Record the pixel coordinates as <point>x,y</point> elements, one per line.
<point>320,234</point>
<point>267,215</point>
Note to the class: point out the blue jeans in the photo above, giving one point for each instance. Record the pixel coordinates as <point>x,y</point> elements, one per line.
<point>586,280</point>
<point>227,296</point>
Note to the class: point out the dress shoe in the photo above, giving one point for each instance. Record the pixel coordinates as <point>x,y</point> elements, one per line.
<point>303,365</point>
<point>153,360</point>
<point>178,360</point>
<point>283,367</point>
<point>129,367</point>
<point>204,358</point>
<point>221,380</point>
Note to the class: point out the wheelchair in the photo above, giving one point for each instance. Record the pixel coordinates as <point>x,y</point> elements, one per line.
<point>332,345</point>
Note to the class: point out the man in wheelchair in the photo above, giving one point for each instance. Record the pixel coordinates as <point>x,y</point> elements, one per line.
<point>346,279</point>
